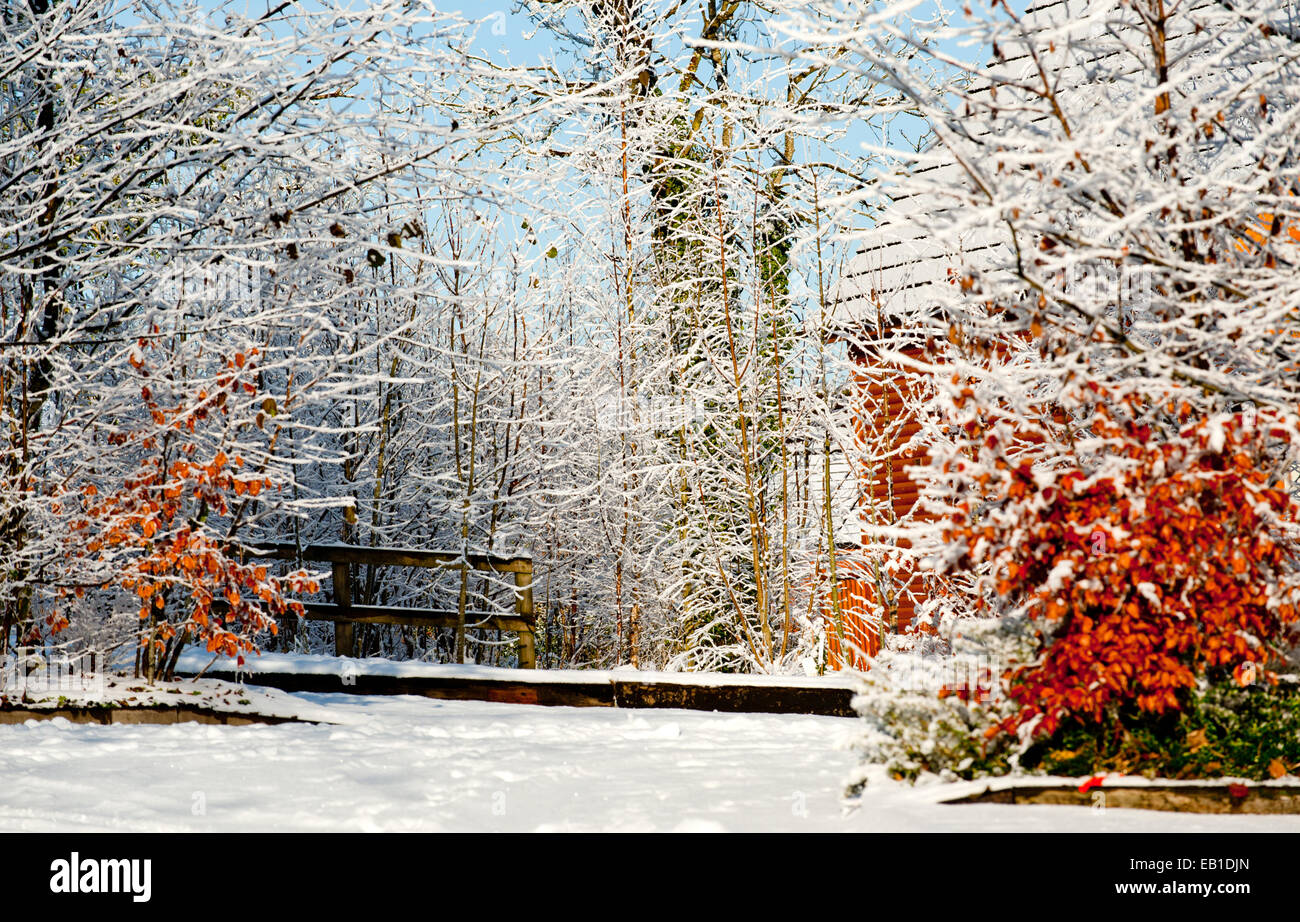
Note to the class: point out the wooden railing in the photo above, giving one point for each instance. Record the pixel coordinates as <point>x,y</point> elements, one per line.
<point>345,615</point>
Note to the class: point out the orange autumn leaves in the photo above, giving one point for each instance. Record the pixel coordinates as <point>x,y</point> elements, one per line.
<point>1166,560</point>
<point>153,531</point>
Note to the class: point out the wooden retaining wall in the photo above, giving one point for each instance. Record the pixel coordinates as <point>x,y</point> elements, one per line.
<point>140,714</point>
<point>1208,797</point>
<point>829,701</point>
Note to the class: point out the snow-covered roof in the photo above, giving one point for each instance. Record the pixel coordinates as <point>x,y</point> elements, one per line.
<point>903,268</point>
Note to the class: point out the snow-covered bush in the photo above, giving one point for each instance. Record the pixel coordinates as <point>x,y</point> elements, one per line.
<point>1138,564</point>
<point>162,535</point>
<point>1151,547</point>
<point>934,703</point>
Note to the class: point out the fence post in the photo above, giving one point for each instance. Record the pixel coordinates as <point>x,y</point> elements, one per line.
<point>345,632</point>
<point>524,607</point>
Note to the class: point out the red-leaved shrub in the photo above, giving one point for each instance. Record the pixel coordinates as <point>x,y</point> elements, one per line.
<point>1147,553</point>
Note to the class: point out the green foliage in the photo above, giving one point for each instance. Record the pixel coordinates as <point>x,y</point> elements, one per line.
<point>930,709</point>
<point>921,733</point>
<point>1225,731</point>
<point>931,704</point>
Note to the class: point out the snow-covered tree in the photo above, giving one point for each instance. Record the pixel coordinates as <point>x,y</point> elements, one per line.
<point>207,183</point>
<point>702,163</point>
<point>1081,300</point>
<point>1110,198</point>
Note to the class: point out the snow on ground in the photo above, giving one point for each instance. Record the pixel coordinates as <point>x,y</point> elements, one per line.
<point>405,763</point>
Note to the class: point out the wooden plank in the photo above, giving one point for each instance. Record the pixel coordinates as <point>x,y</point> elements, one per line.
<point>141,714</point>
<point>831,701</point>
<point>1206,797</point>
<point>392,556</point>
<point>524,605</point>
<point>1201,797</point>
<point>419,617</point>
<point>553,694</point>
<point>345,634</point>
<point>765,699</point>
<point>345,616</point>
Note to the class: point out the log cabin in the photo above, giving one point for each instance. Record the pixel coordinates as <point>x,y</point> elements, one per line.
<point>890,292</point>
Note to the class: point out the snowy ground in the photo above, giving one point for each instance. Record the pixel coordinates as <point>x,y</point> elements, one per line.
<point>403,763</point>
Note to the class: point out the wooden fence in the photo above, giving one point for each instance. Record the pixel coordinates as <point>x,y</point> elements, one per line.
<point>345,615</point>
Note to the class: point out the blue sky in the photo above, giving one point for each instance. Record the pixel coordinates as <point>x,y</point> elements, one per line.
<point>507,34</point>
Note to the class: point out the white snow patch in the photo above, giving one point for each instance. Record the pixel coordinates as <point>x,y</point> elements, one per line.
<point>1060,573</point>
<point>1218,435</point>
<point>405,763</point>
<point>1149,592</point>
